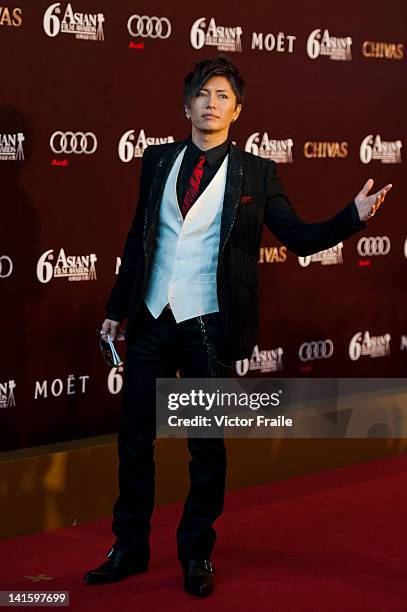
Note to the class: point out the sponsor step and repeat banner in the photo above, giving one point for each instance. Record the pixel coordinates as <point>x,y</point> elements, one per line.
<point>88,86</point>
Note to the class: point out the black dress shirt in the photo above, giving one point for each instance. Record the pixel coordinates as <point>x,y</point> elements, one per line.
<point>214,159</point>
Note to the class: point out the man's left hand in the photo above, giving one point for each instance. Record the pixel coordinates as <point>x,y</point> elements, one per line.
<point>368,205</point>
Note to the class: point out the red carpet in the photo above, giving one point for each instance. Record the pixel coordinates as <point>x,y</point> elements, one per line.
<point>325,542</point>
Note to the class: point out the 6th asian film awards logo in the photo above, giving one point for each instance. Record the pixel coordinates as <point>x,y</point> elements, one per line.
<point>85,26</point>
<point>11,147</point>
<point>72,267</point>
<point>363,344</point>
<point>323,44</point>
<point>374,148</point>
<point>265,361</point>
<point>114,381</point>
<point>7,399</point>
<point>328,257</point>
<point>130,147</point>
<point>279,151</point>
<point>222,37</point>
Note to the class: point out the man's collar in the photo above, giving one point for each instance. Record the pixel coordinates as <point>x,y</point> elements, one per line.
<point>212,155</point>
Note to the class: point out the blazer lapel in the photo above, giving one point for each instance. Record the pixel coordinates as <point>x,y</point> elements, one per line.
<point>233,191</point>
<point>161,172</point>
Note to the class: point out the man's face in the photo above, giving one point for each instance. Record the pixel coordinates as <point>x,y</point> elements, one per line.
<point>214,107</point>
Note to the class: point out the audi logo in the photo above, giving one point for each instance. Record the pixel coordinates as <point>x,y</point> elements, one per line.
<point>374,245</point>
<point>320,349</point>
<point>6,266</point>
<point>149,27</point>
<point>73,142</point>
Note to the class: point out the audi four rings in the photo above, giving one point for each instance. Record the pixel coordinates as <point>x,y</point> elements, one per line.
<point>6,266</point>
<point>73,142</point>
<point>319,349</point>
<point>149,27</point>
<point>374,245</point>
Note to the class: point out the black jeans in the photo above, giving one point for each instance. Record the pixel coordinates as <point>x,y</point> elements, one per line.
<point>157,348</point>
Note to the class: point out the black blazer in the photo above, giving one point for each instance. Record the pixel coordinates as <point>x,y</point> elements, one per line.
<point>253,196</point>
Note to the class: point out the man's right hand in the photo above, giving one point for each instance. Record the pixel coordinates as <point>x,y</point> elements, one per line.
<point>112,328</point>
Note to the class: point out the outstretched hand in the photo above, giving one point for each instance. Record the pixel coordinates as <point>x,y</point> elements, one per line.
<point>368,205</point>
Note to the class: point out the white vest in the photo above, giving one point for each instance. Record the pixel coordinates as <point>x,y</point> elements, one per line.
<point>183,271</point>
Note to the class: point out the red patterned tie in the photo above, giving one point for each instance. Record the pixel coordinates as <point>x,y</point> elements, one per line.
<point>193,186</point>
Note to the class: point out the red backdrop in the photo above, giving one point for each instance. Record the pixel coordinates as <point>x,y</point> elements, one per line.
<point>86,84</point>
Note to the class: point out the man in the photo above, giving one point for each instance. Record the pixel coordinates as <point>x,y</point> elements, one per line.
<point>188,285</point>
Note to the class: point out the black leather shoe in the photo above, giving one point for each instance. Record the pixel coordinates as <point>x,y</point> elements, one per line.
<point>198,577</point>
<point>119,565</point>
